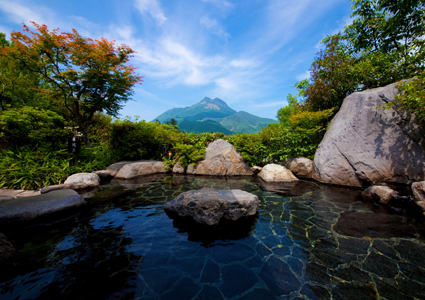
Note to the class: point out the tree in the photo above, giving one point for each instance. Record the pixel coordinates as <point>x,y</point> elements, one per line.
<point>294,103</point>
<point>81,75</point>
<point>390,28</point>
<point>331,75</point>
<point>17,85</point>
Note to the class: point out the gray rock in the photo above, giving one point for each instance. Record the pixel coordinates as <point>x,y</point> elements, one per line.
<point>179,169</point>
<point>29,208</point>
<point>28,194</point>
<point>256,169</point>
<point>191,170</point>
<point>56,187</point>
<point>82,180</point>
<point>366,144</point>
<point>381,193</point>
<point>302,167</point>
<point>221,158</point>
<point>9,192</point>
<point>209,206</point>
<point>418,189</point>
<point>104,175</point>
<point>116,167</point>
<point>7,251</point>
<point>136,169</point>
<point>276,173</point>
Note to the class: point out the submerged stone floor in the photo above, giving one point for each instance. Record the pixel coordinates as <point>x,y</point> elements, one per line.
<point>309,242</point>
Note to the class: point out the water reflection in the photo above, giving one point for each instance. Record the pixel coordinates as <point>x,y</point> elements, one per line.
<point>309,241</point>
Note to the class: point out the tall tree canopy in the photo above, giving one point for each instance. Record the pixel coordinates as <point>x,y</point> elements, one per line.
<point>17,85</point>
<point>384,44</point>
<point>81,75</point>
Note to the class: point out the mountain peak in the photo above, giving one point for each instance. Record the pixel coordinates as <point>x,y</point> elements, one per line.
<point>214,104</point>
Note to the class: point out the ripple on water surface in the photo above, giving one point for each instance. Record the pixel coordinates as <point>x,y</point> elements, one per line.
<point>308,242</point>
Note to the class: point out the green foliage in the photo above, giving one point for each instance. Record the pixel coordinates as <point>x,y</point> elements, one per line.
<point>18,86</point>
<point>294,103</point>
<point>283,143</point>
<point>277,143</point>
<point>251,147</point>
<point>27,168</point>
<point>413,96</point>
<point>332,76</point>
<point>141,139</point>
<point>188,154</point>
<point>83,76</point>
<point>311,120</point>
<point>100,128</point>
<point>31,126</point>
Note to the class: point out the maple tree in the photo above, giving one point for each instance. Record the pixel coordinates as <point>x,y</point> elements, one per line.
<point>80,75</point>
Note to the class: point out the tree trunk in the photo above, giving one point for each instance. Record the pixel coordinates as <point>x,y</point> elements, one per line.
<point>86,138</point>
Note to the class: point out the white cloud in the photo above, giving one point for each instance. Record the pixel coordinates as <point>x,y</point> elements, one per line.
<point>153,8</point>
<point>208,23</point>
<point>243,63</point>
<point>214,26</point>
<point>305,75</point>
<point>225,83</point>
<point>23,13</point>
<point>222,4</point>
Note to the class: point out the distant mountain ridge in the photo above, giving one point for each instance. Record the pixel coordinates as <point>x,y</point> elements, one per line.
<point>216,116</point>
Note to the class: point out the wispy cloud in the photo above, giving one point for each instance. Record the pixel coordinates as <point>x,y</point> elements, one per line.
<point>151,7</point>
<point>21,13</point>
<point>221,4</point>
<point>214,26</point>
<point>305,75</point>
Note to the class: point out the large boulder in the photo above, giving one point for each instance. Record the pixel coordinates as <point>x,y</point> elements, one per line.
<point>80,181</point>
<point>29,208</point>
<point>276,173</point>
<point>209,206</point>
<point>418,189</point>
<point>136,169</point>
<point>367,144</point>
<point>221,158</point>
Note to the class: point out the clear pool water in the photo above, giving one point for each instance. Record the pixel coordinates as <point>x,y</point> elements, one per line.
<point>309,241</point>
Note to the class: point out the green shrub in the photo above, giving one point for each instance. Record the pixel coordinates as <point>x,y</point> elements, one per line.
<point>29,126</point>
<point>251,147</point>
<point>188,154</point>
<point>140,139</point>
<point>27,168</point>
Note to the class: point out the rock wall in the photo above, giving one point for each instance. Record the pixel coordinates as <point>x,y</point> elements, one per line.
<point>366,144</point>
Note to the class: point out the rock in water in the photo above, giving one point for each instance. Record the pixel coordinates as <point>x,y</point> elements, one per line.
<point>221,158</point>
<point>276,173</point>
<point>209,206</point>
<point>29,208</point>
<point>137,169</point>
<point>366,144</point>
<point>383,194</point>
<point>179,169</point>
<point>418,189</point>
<point>82,180</point>
<point>302,167</point>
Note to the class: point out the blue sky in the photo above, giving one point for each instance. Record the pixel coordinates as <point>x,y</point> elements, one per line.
<point>246,52</point>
